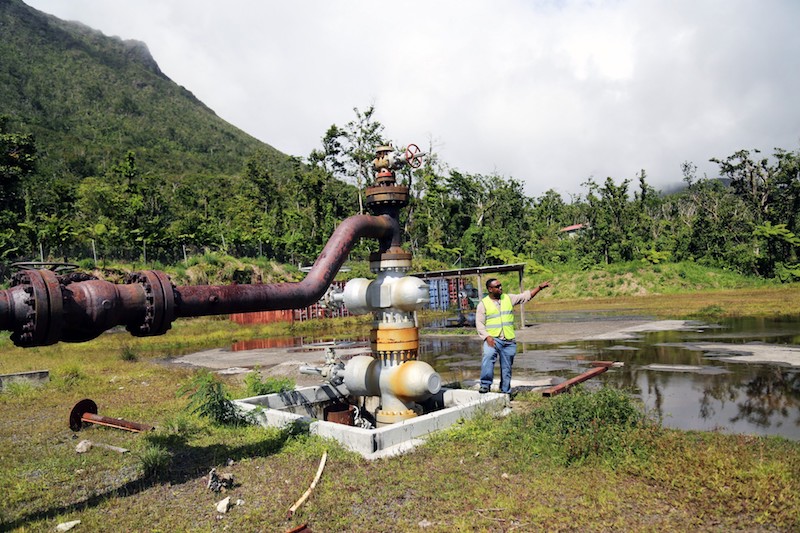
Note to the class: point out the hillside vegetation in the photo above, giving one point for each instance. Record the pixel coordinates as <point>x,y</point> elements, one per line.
<point>103,157</point>
<point>101,154</point>
<point>88,99</point>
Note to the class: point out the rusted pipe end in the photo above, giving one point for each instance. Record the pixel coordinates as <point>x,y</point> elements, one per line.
<point>85,412</point>
<point>76,415</point>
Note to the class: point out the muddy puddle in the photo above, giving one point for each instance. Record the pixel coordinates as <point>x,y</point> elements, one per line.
<point>735,376</point>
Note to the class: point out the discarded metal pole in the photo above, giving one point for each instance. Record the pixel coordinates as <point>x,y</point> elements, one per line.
<point>601,367</point>
<point>85,412</point>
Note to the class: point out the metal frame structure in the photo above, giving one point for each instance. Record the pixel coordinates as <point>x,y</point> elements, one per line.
<point>480,272</point>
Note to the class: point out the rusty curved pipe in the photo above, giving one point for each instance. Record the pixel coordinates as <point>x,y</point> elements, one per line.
<point>41,310</point>
<point>200,300</point>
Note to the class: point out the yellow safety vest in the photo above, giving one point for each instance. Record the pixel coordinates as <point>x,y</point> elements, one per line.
<point>501,320</point>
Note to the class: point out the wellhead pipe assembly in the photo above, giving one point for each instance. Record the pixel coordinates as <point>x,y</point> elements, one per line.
<point>43,307</point>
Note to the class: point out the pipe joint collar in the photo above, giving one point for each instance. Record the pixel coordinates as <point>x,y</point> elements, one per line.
<point>389,291</point>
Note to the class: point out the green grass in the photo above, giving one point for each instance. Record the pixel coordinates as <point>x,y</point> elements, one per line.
<point>578,462</point>
<point>155,461</point>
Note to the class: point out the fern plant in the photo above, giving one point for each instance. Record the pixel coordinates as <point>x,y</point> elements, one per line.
<point>208,398</point>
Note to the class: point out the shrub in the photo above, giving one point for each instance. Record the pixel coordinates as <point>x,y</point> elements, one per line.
<point>68,376</point>
<point>20,389</point>
<point>655,257</point>
<point>154,461</point>
<point>179,424</point>
<point>258,386</point>
<point>128,353</point>
<point>606,424</point>
<point>209,399</point>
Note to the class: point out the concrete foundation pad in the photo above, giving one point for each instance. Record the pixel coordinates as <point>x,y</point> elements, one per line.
<point>516,384</point>
<point>303,409</point>
<point>35,378</point>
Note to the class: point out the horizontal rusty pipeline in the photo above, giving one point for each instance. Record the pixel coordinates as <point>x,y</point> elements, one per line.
<point>41,310</point>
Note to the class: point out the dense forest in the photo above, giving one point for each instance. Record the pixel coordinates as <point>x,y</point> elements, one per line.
<point>106,157</point>
<point>747,222</point>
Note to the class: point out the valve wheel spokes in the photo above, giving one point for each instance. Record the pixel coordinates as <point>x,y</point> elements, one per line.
<point>412,151</point>
<point>56,266</point>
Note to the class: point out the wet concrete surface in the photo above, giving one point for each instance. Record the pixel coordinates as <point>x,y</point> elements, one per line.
<point>284,361</point>
<point>749,352</point>
<point>271,362</point>
<point>560,332</point>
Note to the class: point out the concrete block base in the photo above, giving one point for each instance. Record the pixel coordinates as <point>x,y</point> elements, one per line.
<point>35,378</point>
<point>303,408</point>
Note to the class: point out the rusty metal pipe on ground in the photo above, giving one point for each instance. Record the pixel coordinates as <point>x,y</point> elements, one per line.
<point>599,368</point>
<point>42,308</point>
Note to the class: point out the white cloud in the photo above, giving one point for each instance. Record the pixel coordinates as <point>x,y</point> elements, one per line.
<point>549,92</point>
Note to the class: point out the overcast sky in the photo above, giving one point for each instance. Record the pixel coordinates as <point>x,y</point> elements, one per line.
<point>551,93</point>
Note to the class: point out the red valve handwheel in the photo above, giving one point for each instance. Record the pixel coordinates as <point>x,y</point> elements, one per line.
<point>411,156</point>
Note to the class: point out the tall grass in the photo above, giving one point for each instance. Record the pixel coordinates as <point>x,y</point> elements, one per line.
<point>209,398</point>
<point>607,426</point>
<point>256,385</point>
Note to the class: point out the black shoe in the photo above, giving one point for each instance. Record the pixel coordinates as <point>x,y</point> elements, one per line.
<point>483,390</point>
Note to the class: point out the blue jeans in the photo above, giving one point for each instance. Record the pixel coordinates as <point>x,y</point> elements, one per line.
<point>506,350</point>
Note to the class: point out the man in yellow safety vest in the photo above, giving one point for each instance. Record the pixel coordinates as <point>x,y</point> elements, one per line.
<point>494,320</point>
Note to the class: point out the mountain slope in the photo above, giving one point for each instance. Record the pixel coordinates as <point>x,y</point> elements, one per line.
<point>88,99</point>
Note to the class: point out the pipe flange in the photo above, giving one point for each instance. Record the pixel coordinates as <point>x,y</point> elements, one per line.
<point>387,418</point>
<point>395,259</point>
<point>45,318</point>
<point>159,311</point>
<point>76,277</point>
<point>381,197</point>
<point>385,178</point>
<point>390,358</point>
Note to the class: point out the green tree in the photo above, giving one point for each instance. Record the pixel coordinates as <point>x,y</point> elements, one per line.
<point>710,224</point>
<point>753,181</point>
<point>17,163</point>
<point>347,152</point>
<point>770,190</point>
<point>777,248</point>
<point>547,215</point>
<point>612,232</point>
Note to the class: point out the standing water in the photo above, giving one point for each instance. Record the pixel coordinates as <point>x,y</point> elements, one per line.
<point>696,379</point>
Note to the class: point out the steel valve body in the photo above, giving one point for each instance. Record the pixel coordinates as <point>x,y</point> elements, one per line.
<point>398,385</point>
<point>394,373</point>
